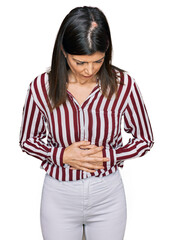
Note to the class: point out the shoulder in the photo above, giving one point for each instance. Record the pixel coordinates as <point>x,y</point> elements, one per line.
<point>128,80</point>
<point>39,83</point>
<point>39,89</point>
<point>123,76</point>
<point>125,80</point>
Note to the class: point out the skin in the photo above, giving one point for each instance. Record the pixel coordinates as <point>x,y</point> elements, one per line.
<point>80,86</point>
<point>84,65</point>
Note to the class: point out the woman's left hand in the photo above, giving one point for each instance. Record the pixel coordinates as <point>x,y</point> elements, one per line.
<point>98,154</point>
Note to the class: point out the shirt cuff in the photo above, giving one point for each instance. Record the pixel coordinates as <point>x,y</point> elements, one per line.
<point>111,154</point>
<point>57,156</point>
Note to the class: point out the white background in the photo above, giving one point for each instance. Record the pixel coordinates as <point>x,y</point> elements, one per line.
<point>142,40</point>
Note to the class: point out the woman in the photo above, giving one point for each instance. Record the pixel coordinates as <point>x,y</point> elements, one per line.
<point>80,103</point>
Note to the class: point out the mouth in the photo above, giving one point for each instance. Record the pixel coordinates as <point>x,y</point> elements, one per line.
<point>87,76</point>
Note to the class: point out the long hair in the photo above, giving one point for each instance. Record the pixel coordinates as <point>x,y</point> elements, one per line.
<point>77,37</point>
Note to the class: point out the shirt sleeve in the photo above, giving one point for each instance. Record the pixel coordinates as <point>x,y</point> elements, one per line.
<point>33,131</point>
<point>137,123</point>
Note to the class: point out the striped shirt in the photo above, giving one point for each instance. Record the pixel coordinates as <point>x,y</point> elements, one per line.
<point>45,134</point>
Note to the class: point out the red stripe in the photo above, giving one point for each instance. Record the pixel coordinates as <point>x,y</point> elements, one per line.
<point>90,117</point>
<point>43,86</point>
<point>131,119</point>
<point>129,85</point>
<point>51,171</point>
<point>37,124</point>
<point>47,167</point>
<point>119,91</point>
<point>33,146</point>
<point>67,118</point>
<point>143,110</point>
<point>77,174</point>
<point>43,162</point>
<point>60,127</point>
<point>54,155</point>
<point>118,94</point>
<point>142,150</point>
<point>63,174</point>
<point>75,120</point>
<point>61,156</point>
<point>130,155</point>
<point>30,152</point>
<point>40,148</point>
<point>128,127</point>
<point>53,125</point>
<point>79,125</point>
<point>42,145</point>
<point>128,149</point>
<point>128,88</point>
<point>98,120</point>
<point>57,172</point>
<point>86,101</point>
<point>38,157</point>
<point>38,94</point>
<point>138,116</point>
<point>106,122</point>
<point>111,157</point>
<point>70,175</point>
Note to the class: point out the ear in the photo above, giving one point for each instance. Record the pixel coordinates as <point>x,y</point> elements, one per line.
<point>63,51</point>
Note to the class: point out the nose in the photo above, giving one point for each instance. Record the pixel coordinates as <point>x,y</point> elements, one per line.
<point>89,69</point>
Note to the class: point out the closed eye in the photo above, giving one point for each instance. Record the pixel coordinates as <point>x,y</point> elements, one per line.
<point>81,63</point>
<point>100,61</point>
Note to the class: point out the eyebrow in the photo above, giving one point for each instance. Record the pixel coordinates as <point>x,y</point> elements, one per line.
<point>87,62</point>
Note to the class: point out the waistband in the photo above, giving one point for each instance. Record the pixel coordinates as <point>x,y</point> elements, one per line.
<point>93,179</point>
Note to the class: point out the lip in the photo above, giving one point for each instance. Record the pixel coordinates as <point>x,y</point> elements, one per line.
<point>87,76</point>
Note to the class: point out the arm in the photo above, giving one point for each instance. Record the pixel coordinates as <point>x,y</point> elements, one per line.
<point>138,124</point>
<point>33,130</point>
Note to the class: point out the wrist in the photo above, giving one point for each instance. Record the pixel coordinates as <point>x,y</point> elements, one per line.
<point>64,156</point>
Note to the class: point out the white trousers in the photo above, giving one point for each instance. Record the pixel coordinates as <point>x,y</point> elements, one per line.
<point>97,203</point>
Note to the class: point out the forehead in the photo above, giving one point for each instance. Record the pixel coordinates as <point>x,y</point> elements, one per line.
<point>89,58</point>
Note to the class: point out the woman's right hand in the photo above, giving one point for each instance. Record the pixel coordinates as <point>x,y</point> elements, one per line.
<point>81,159</point>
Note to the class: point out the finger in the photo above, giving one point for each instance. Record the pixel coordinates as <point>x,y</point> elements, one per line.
<point>98,163</point>
<point>95,159</point>
<point>88,170</point>
<point>88,165</point>
<point>92,151</point>
<point>82,143</point>
<point>87,147</point>
<point>93,166</point>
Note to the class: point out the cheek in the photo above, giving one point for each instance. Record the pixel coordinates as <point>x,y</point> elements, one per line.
<point>78,69</point>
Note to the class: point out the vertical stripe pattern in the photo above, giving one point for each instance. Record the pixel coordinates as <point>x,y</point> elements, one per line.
<point>97,120</point>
